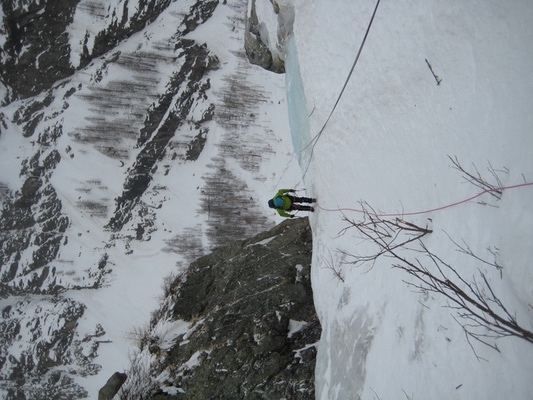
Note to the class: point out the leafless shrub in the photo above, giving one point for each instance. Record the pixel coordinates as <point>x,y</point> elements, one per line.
<point>482,314</point>
<point>169,287</point>
<point>140,335</point>
<point>334,267</point>
<point>480,311</point>
<point>140,384</point>
<point>386,234</point>
<point>475,178</point>
<point>465,249</point>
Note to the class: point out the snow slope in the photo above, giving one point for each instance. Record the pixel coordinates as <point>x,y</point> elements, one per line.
<point>248,147</point>
<point>138,275</point>
<point>387,144</point>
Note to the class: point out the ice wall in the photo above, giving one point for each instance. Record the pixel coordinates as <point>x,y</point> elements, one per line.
<point>298,112</point>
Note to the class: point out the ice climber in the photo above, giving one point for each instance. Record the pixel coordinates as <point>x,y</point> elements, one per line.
<point>285,200</point>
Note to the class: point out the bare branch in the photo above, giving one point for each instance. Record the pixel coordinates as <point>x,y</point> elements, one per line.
<point>484,316</point>
<point>332,265</point>
<point>465,248</point>
<point>476,179</point>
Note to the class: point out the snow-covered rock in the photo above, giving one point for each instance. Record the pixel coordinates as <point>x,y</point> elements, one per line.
<point>135,136</point>
<point>227,329</point>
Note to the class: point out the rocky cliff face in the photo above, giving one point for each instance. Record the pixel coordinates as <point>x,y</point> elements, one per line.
<point>239,324</point>
<point>37,49</point>
<point>106,111</point>
<point>121,124</point>
<point>43,81</point>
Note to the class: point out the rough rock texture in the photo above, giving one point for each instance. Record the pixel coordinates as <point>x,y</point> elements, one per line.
<point>42,345</point>
<point>33,224</point>
<point>36,365</point>
<point>99,83</point>
<point>187,88</point>
<point>112,386</point>
<point>38,40</point>
<point>257,47</point>
<point>37,44</point>
<point>250,324</point>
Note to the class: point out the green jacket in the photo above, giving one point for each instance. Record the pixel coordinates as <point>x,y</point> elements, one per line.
<point>287,203</point>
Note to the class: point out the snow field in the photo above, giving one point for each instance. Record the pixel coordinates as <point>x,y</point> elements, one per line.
<point>387,144</point>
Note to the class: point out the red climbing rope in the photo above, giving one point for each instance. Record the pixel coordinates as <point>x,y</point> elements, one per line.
<point>403,214</point>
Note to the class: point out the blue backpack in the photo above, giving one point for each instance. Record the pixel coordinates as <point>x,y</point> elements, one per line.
<point>278,202</point>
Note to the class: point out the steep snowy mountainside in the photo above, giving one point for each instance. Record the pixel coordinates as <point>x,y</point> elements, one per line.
<point>435,79</point>
<point>50,40</point>
<point>157,142</point>
<point>240,323</point>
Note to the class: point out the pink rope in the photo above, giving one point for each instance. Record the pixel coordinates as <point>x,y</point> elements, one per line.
<point>430,210</point>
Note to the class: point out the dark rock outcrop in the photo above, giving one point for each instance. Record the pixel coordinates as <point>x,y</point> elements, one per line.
<point>187,86</point>
<point>257,48</point>
<point>112,386</point>
<point>33,222</point>
<point>251,323</point>
<point>36,365</point>
<point>37,52</point>
<point>148,108</point>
